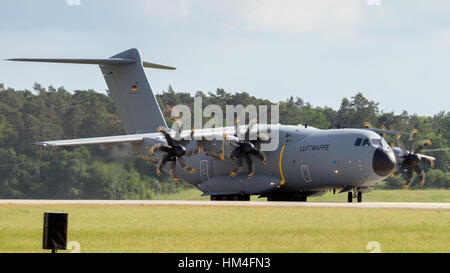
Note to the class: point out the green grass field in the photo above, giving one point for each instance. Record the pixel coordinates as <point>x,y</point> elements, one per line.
<point>117,228</point>
<point>420,196</point>
<point>238,229</point>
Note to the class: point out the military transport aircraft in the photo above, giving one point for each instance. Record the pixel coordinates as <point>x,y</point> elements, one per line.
<point>306,162</point>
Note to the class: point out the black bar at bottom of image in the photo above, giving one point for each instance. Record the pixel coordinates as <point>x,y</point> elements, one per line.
<point>226,262</point>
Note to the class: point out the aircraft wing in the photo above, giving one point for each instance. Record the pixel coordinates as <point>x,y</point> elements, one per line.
<point>208,134</point>
<point>99,140</point>
<point>389,132</point>
<point>125,138</point>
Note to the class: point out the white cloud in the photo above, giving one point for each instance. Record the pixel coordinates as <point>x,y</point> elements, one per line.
<point>301,16</point>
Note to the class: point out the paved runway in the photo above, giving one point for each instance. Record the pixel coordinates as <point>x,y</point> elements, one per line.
<point>379,205</point>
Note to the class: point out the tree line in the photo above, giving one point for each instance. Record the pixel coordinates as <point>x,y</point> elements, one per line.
<point>96,172</point>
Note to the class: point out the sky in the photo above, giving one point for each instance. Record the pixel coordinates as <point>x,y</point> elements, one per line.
<point>396,52</point>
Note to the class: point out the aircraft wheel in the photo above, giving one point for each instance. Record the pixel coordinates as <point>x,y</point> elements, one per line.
<point>244,197</point>
<point>218,197</point>
<point>350,197</point>
<point>359,197</point>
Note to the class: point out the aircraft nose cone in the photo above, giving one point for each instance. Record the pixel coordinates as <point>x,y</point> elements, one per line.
<point>383,162</point>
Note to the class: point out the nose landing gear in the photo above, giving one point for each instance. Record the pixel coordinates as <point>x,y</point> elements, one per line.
<point>357,195</point>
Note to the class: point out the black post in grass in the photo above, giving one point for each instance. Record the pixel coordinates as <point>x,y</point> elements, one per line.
<point>55,231</point>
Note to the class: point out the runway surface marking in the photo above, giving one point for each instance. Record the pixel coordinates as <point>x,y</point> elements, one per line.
<point>393,205</point>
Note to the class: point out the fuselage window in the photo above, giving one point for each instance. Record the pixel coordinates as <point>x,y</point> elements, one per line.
<point>358,141</point>
<point>366,142</point>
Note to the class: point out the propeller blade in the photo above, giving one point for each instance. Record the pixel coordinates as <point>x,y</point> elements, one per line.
<point>179,125</point>
<point>395,173</point>
<point>259,154</point>
<point>382,128</point>
<point>412,136</point>
<point>161,164</point>
<point>234,143</point>
<point>422,145</point>
<point>236,127</point>
<point>428,160</point>
<point>409,176</point>
<point>192,132</point>
<point>178,128</point>
<point>250,165</point>
<point>235,153</point>
<point>238,168</point>
<point>193,152</point>
<point>251,124</point>
<point>186,166</point>
<point>158,147</point>
<point>400,144</point>
<point>166,134</point>
<point>172,170</point>
<point>420,173</point>
<point>264,138</point>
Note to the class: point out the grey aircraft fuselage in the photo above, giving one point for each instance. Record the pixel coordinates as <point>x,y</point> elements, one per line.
<point>307,160</point>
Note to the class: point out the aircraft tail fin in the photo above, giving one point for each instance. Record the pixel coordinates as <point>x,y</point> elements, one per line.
<point>128,86</point>
<point>134,99</point>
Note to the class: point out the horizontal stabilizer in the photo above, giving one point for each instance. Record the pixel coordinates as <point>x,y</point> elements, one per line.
<point>158,66</point>
<point>109,61</point>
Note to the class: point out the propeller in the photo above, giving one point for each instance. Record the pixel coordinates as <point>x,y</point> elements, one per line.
<point>173,151</point>
<point>244,149</point>
<point>409,160</point>
<point>380,131</point>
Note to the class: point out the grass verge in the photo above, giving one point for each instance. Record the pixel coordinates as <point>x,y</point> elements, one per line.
<point>229,229</point>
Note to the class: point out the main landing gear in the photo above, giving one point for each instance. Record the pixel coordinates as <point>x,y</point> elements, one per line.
<point>293,197</point>
<point>231,197</point>
<point>358,196</point>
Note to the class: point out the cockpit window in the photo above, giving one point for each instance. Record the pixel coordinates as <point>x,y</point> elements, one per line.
<point>375,142</point>
<point>384,143</point>
<point>379,142</point>
<point>358,141</point>
<point>366,142</point>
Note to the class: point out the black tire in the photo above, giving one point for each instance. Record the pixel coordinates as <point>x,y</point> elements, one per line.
<point>218,197</point>
<point>245,197</point>
<point>350,197</point>
<point>359,197</point>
